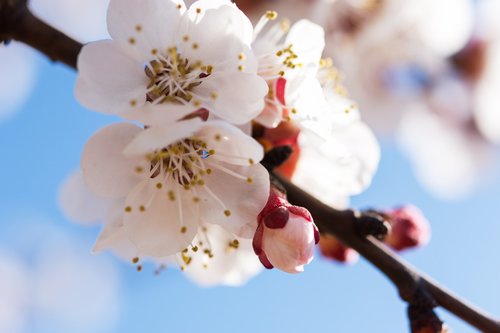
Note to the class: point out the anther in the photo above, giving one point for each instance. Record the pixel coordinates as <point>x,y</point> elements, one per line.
<point>128,209</point>
<point>271,15</point>
<point>131,40</point>
<point>183,230</point>
<point>227,212</point>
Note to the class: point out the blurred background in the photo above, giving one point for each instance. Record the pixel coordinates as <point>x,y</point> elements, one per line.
<point>426,75</point>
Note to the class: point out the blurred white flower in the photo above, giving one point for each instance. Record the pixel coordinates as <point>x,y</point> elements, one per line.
<point>18,68</point>
<point>75,293</point>
<point>487,97</point>
<point>78,203</point>
<point>83,20</point>
<point>444,26</point>
<point>448,160</point>
<point>55,285</point>
<point>192,172</point>
<point>15,291</point>
<point>184,60</point>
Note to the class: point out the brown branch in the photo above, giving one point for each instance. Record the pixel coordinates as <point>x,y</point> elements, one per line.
<point>18,23</point>
<point>407,279</point>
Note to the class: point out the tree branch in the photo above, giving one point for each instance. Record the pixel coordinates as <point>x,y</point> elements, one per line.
<point>18,23</point>
<point>406,278</point>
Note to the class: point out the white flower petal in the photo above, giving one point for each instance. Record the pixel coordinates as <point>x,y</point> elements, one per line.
<point>160,221</point>
<point>109,81</point>
<point>158,114</point>
<point>341,166</point>
<point>113,236</point>
<point>140,26</point>
<point>239,97</point>
<point>241,24</point>
<point>228,265</point>
<point>230,144</point>
<point>158,137</point>
<point>243,200</point>
<point>78,203</point>
<point>106,170</point>
<point>225,28</point>
<point>308,40</point>
<point>18,68</point>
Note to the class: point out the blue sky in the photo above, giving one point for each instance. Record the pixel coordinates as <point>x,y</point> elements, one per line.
<point>42,144</point>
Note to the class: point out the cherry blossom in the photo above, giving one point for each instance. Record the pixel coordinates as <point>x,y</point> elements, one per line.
<point>339,153</point>
<point>288,59</point>
<point>161,53</point>
<point>447,176</point>
<point>19,69</point>
<point>196,172</point>
<point>215,256</point>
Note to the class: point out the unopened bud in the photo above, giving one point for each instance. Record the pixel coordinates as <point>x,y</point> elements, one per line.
<point>286,235</point>
<point>410,228</point>
<point>332,248</point>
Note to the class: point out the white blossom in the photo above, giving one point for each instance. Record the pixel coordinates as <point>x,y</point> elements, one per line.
<point>18,67</point>
<point>175,178</point>
<point>288,59</point>
<point>161,53</point>
<point>448,161</point>
<point>339,153</point>
<point>215,256</point>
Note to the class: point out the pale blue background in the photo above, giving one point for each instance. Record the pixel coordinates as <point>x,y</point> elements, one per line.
<point>42,144</point>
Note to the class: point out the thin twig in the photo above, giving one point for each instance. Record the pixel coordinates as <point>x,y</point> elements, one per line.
<point>18,23</point>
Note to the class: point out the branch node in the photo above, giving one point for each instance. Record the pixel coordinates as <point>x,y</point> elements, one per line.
<point>372,223</point>
<point>421,313</point>
<point>276,157</point>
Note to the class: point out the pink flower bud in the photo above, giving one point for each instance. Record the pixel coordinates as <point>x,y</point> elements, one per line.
<point>286,235</point>
<point>410,228</point>
<point>332,248</point>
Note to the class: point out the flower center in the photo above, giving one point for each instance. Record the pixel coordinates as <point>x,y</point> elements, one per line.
<point>183,161</point>
<point>173,77</point>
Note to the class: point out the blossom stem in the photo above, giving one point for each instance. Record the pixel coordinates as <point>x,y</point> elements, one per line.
<point>18,23</point>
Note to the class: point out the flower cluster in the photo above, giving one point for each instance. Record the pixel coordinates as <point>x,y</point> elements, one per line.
<point>204,93</point>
